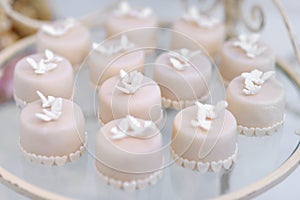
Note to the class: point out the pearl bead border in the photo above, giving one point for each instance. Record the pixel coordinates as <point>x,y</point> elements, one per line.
<point>259,132</point>
<point>130,186</point>
<point>178,105</point>
<point>204,167</point>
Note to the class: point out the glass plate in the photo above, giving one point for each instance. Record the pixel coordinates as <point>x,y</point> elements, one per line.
<point>258,156</point>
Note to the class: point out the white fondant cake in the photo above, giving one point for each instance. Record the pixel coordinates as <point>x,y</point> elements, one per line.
<point>257,100</point>
<point>67,38</point>
<point>183,77</point>
<point>48,73</point>
<point>244,54</point>
<point>137,21</point>
<point>52,131</point>
<point>204,138</point>
<point>129,153</point>
<point>129,94</point>
<point>109,58</point>
<point>195,31</point>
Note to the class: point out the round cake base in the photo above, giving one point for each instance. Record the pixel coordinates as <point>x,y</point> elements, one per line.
<point>55,160</point>
<point>202,167</point>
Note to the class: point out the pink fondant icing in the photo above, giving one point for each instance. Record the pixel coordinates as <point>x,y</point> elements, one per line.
<point>145,103</point>
<point>264,109</point>
<point>74,45</point>
<point>194,143</point>
<point>57,82</point>
<point>140,30</point>
<point>102,67</point>
<point>234,61</point>
<point>55,138</point>
<point>190,35</point>
<point>130,158</point>
<point>187,85</point>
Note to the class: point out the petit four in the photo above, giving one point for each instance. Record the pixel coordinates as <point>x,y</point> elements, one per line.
<point>257,100</point>
<point>107,59</point>
<point>183,77</point>
<point>196,31</point>
<point>244,54</point>
<point>67,38</point>
<point>129,153</point>
<point>52,131</point>
<point>204,138</point>
<point>138,22</point>
<point>48,73</point>
<point>129,94</point>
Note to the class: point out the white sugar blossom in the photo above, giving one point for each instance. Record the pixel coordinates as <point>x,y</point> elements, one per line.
<point>44,65</point>
<point>249,44</point>
<point>254,81</point>
<point>193,15</point>
<point>124,9</point>
<point>123,45</point>
<point>58,30</point>
<point>179,64</point>
<point>54,106</point>
<point>51,57</point>
<point>130,82</point>
<point>206,113</point>
<point>130,127</point>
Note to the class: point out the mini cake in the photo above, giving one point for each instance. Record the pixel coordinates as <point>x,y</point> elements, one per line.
<point>125,18</point>
<point>182,77</point>
<point>129,153</point>
<point>195,31</point>
<point>109,58</point>
<point>204,138</point>
<point>244,54</point>
<point>52,131</point>
<point>48,73</point>
<point>129,94</point>
<point>67,38</point>
<point>257,100</point>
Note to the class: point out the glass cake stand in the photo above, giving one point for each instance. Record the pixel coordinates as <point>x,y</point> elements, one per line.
<point>263,161</point>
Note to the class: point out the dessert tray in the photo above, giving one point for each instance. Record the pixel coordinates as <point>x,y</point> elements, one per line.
<point>262,161</point>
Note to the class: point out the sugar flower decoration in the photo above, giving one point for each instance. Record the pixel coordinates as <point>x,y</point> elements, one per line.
<point>58,30</point>
<point>124,9</point>
<point>193,15</point>
<point>179,63</point>
<point>207,113</point>
<point>130,127</point>
<point>249,44</point>
<point>254,81</point>
<point>123,45</point>
<point>130,82</point>
<point>44,65</point>
<point>52,108</point>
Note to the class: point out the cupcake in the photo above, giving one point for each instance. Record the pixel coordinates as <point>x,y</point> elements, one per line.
<point>48,73</point>
<point>138,22</point>
<point>204,138</point>
<point>257,100</point>
<point>107,59</point>
<point>52,131</point>
<point>129,153</point>
<point>67,38</point>
<point>183,77</point>
<point>245,54</point>
<point>195,31</point>
<point>129,94</point>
